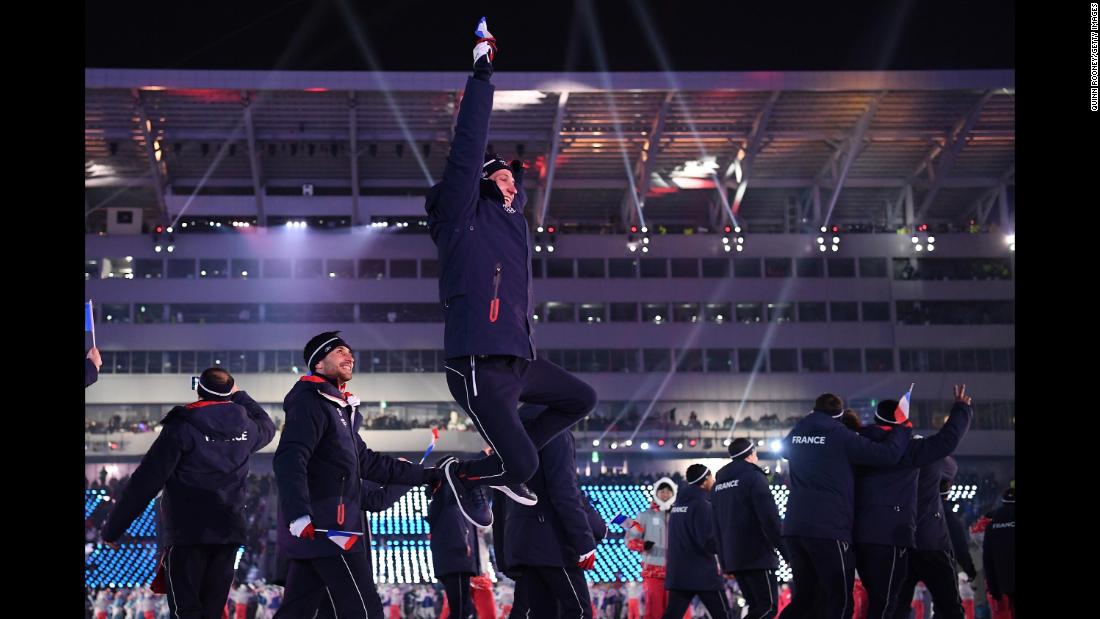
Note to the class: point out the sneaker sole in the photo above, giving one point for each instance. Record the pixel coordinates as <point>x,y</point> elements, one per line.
<point>515,497</point>
<point>454,491</point>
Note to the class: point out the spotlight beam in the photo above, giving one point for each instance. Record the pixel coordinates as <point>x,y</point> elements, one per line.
<point>647,159</point>
<point>746,155</point>
<point>855,146</point>
<point>947,158</point>
<point>157,167</point>
<point>367,52</point>
<point>596,43</point>
<point>254,159</point>
<point>552,158</point>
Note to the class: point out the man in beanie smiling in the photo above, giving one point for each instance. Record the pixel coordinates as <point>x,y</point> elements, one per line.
<point>885,531</point>
<point>476,220</point>
<point>748,528</point>
<point>817,531</point>
<point>201,460</point>
<point>692,546</point>
<point>319,467</point>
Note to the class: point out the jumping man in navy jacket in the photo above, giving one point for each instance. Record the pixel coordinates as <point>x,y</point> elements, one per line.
<point>886,505</point>
<point>201,460</point>
<point>748,528</point>
<point>818,527</point>
<point>475,217</point>
<point>692,567</point>
<point>319,467</point>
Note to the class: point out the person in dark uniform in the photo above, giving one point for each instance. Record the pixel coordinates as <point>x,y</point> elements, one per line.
<point>957,531</point>
<point>692,569</point>
<point>748,528</point>
<point>818,528</point>
<point>319,467</point>
<point>476,220</point>
<point>455,549</point>
<point>200,459</point>
<point>886,503</point>
<point>376,498</point>
<point>999,552</point>
<point>550,544</point>
<point>932,560</point>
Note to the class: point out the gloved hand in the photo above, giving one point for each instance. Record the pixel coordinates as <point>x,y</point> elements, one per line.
<point>587,560</point>
<point>302,528</point>
<point>433,475</point>
<point>635,544</point>
<point>484,51</point>
<point>648,545</point>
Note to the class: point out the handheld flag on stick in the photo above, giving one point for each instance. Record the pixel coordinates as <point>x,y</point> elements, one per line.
<point>431,445</point>
<point>627,523</point>
<point>482,30</point>
<point>343,539</point>
<point>89,320</point>
<point>901,413</point>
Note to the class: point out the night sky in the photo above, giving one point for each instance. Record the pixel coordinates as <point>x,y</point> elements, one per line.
<point>422,35</point>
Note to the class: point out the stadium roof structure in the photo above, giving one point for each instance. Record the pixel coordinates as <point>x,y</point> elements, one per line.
<point>778,150</point>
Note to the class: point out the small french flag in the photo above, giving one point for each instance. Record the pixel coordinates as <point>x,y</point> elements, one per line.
<point>89,320</point>
<point>482,30</point>
<point>626,523</point>
<point>343,539</point>
<point>431,445</point>
<point>901,413</point>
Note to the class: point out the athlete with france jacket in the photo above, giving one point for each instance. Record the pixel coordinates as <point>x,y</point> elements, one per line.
<point>817,531</point>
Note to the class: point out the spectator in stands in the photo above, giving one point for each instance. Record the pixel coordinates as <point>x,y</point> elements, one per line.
<point>200,460</point>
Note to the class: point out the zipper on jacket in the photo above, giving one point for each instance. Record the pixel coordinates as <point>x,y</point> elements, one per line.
<point>340,505</point>
<point>494,305</point>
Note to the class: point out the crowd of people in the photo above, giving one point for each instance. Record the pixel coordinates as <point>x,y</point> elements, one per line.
<point>867,498</point>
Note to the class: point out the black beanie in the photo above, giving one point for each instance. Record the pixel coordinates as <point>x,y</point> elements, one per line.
<point>493,163</point>
<point>215,384</point>
<point>696,473</point>
<point>884,413</point>
<point>741,448</point>
<point>320,346</point>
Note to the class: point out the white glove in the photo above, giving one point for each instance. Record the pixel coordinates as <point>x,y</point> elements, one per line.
<point>300,525</point>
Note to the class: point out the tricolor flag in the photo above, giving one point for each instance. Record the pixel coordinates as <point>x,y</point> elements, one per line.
<point>343,539</point>
<point>431,445</point>
<point>89,320</point>
<point>627,523</point>
<point>482,30</point>
<point>901,413</point>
